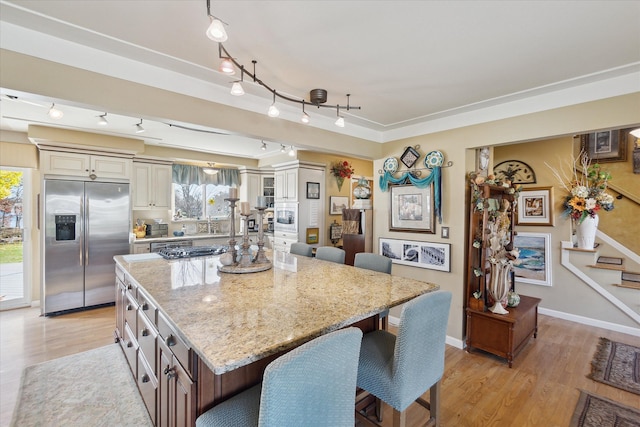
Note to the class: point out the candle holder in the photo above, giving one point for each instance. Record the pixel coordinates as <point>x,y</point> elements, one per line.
<point>245,264</point>
<point>261,258</point>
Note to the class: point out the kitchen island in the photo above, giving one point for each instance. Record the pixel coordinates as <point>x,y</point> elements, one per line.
<point>221,330</point>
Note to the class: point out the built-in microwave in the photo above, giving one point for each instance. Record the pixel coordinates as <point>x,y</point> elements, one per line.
<point>286,217</point>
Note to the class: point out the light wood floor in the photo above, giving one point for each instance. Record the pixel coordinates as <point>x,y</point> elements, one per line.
<point>478,389</point>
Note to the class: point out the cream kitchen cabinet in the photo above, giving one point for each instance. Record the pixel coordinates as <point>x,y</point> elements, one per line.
<point>151,187</point>
<point>91,166</point>
<point>255,183</point>
<point>286,182</point>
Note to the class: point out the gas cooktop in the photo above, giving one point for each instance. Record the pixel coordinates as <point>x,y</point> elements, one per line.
<point>191,251</point>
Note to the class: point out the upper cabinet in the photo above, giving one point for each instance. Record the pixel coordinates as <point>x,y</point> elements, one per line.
<point>256,182</point>
<point>92,166</point>
<point>151,187</point>
<point>286,185</point>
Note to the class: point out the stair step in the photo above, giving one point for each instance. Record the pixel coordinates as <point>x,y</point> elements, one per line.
<point>609,260</point>
<point>628,284</point>
<point>607,266</point>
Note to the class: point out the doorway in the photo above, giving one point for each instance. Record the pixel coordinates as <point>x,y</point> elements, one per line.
<point>15,233</point>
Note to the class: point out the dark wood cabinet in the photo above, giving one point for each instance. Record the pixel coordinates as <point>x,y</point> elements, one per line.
<point>501,334</point>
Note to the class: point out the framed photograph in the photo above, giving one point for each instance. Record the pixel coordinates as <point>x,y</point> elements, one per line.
<point>251,224</point>
<point>605,146</point>
<point>534,263</point>
<point>535,206</point>
<point>434,256</point>
<point>312,235</point>
<point>412,209</point>
<point>337,204</point>
<point>313,190</point>
<point>409,157</point>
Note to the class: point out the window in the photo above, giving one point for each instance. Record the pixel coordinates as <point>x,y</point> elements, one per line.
<point>196,201</point>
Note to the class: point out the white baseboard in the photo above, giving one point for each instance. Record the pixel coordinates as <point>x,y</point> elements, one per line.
<point>35,303</point>
<point>591,322</point>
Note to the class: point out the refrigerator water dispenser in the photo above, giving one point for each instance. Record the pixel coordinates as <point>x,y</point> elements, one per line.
<point>65,227</point>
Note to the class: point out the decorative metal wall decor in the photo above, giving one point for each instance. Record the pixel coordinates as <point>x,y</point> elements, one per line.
<point>516,171</point>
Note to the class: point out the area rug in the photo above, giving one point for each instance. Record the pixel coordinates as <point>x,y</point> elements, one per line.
<point>617,364</point>
<point>94,388</point>
<point>596,411</point>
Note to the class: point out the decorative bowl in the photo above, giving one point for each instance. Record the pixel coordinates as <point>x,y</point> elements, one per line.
<point>178,233</point>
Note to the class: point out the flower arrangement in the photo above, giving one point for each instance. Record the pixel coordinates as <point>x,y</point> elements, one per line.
<point>341,170</point>
<point>587,190</point>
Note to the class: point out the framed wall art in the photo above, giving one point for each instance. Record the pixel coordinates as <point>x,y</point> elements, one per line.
<point>605,146</point>
<point>337,204</point>
<point>412,209</point>
<point>535,206</point>
<point>434,256</point>
<point>409,157</point>
<point>534,263</point>
<point>312,235</point>
<point>313,190</point>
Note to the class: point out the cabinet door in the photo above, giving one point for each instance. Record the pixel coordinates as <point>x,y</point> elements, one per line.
<point>60,163</point>
<point>141,185</point>
<point>280,183</point>
<point>185,402</point>
<point>291,177</point>
<point>161,177</point>
<point>165,374</point>
<point>141,248</point>
<point>110,167</point>
<point>268,190</point>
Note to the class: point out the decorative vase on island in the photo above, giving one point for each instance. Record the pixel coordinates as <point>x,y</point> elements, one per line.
<point>586,232</point>
<point>499,285</point>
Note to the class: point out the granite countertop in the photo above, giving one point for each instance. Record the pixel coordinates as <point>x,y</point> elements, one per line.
<point>231,320</point>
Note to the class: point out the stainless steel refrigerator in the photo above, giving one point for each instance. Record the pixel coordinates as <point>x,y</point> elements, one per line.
<point>85,225</point>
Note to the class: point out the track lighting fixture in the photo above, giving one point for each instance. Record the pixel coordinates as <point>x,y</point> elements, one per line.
<point>139,128</point>
<point>236,88</point>
<point>54,113</point>
<point>291,151</point>
<point>305,117</point>
<point>317,97</point>
<point>263,147</point>
<point>102,121</point>
<point>283,148</point>
<point>340,121</point>
<point>210,170</point>
<point>216,31</point>
<point>273,110</point>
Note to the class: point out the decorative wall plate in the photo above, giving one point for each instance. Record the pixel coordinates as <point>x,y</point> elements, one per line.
<point>391,165</point>
<point>409,157</point>
<point>434,159</point>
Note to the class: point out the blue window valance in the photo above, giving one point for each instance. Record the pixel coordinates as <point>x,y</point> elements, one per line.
<point>190,174</point>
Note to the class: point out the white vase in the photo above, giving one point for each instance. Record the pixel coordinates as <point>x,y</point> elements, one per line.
<point>586,232</point>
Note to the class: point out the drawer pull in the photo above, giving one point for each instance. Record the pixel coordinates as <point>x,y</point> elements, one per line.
<point>169,372</point>
<point>128,307</point>
<point>170,341</point>
<point>129,344</point>
<point>145,378</point>
<point>145,306</point>
<point>144,332</point>
<point>129,287</point>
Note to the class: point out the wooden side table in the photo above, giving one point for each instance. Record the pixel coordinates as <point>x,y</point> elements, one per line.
<point>503,335</point>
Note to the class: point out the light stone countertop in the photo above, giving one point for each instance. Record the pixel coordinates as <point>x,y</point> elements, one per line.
<point>231,320</point>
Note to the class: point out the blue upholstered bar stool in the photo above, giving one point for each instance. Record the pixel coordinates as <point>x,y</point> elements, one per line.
<point>329,253</point>
<point>300,248</point>
<point>398,369</point>
<point>378,263</point>
<point>313,386</point>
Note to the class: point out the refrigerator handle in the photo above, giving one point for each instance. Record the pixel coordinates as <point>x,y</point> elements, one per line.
<point>85,228</point>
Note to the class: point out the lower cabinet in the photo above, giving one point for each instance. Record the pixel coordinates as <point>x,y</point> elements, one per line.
<point>161,363</point>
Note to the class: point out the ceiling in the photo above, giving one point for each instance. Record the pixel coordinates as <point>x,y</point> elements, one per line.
<point>413,67</point>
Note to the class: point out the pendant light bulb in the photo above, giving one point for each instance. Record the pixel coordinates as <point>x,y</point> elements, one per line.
<point>216,31</point>
<point>263,147</point>
<point>54,113</point>
<point>305,117</point>
<point>102,121</point>
<point>282,148</point>
<point>291,151</point>
<point>236,89</point>
<point>226,67</point>
<point>139,128</point>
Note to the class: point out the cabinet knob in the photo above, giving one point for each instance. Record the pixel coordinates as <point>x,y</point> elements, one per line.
<point>129,344</point>
<point>145,378</point>
<point>145,306</point>
<point>170,341</point>
<point>128,307</point>
<point>144,332</point>
<point>169,372</point>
